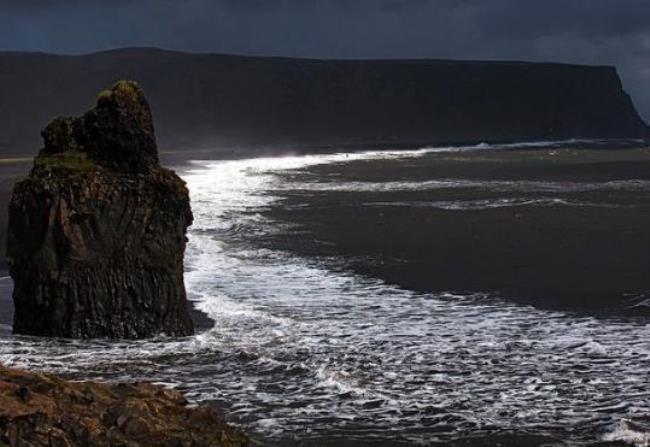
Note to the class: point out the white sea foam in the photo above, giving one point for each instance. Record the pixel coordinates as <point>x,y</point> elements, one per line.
<point>297,345</point>
<point>519,145</point>
<point>465,205</point>
<point>488,185</point>
<point>629,432</point>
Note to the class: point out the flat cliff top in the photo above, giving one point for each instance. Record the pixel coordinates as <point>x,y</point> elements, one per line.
<point>241,102</point>
<point>159,52</point>
<point>43,410</point>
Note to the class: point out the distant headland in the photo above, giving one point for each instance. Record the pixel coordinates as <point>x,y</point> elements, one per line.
<point>212,100</point>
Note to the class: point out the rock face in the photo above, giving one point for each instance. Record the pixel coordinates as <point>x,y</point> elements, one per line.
<point>97,231</point>
<point>209,100</point>
<point>41,410</point>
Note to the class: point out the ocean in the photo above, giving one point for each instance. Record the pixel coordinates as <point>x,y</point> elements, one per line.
<point>305,338</point>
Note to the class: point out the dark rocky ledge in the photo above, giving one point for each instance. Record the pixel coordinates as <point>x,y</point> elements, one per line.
<point>97,231</point>
<point>41,410</point>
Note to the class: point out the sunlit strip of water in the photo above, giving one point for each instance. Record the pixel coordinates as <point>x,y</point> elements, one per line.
<point>487,185</point>
<point>467,205</point>
<point>298,349</point>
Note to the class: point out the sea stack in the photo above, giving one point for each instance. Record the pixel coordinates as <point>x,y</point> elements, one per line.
<point>97,232</point>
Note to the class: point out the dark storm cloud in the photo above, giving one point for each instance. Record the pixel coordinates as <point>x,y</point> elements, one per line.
<point>614,32</point>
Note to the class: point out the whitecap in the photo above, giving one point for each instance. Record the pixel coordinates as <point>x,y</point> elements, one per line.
<point>629,432</point>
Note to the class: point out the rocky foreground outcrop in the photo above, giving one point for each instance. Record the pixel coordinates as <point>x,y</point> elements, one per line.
<point>97,232</point>
<point>41,410</point>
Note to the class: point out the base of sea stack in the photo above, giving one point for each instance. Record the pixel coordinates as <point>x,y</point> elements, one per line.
<point>40,410</point>
<point>94,254</point>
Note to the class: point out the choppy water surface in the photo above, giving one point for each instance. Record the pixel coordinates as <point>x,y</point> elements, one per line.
<point>298,350</point>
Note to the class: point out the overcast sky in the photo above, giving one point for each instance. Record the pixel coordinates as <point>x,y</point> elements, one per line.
<point>613,32</point>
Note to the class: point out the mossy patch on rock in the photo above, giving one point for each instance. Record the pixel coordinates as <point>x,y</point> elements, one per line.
<point>118,134</point>
<point>128,90</point>
<point>58,136</point>
<point>68,160</point>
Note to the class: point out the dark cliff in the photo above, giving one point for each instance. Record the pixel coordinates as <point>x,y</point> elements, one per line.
<point>204,100</point>
<point>97,231</point>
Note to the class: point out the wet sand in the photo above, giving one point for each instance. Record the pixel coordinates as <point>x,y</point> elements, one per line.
<point>408,244</point>
<point>586,250</point>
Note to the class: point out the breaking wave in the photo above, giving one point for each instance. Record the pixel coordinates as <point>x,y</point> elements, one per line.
<point>299,350</point>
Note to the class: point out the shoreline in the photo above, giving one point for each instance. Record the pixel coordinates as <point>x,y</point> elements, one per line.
<point>235,151</point>
<point>12,169</point>
<point>507,439</point>
<point>44,410</point>
<point>584,258</point>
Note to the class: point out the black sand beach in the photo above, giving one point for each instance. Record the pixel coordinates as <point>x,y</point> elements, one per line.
<point>572,236</point>
<point>590,257</point>
<point>557,228</point>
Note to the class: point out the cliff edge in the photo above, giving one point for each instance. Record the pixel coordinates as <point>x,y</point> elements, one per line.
<point>203,101</point>
<point>97,232</point>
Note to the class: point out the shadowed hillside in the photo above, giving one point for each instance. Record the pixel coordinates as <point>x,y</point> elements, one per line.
<point>203,100</point>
